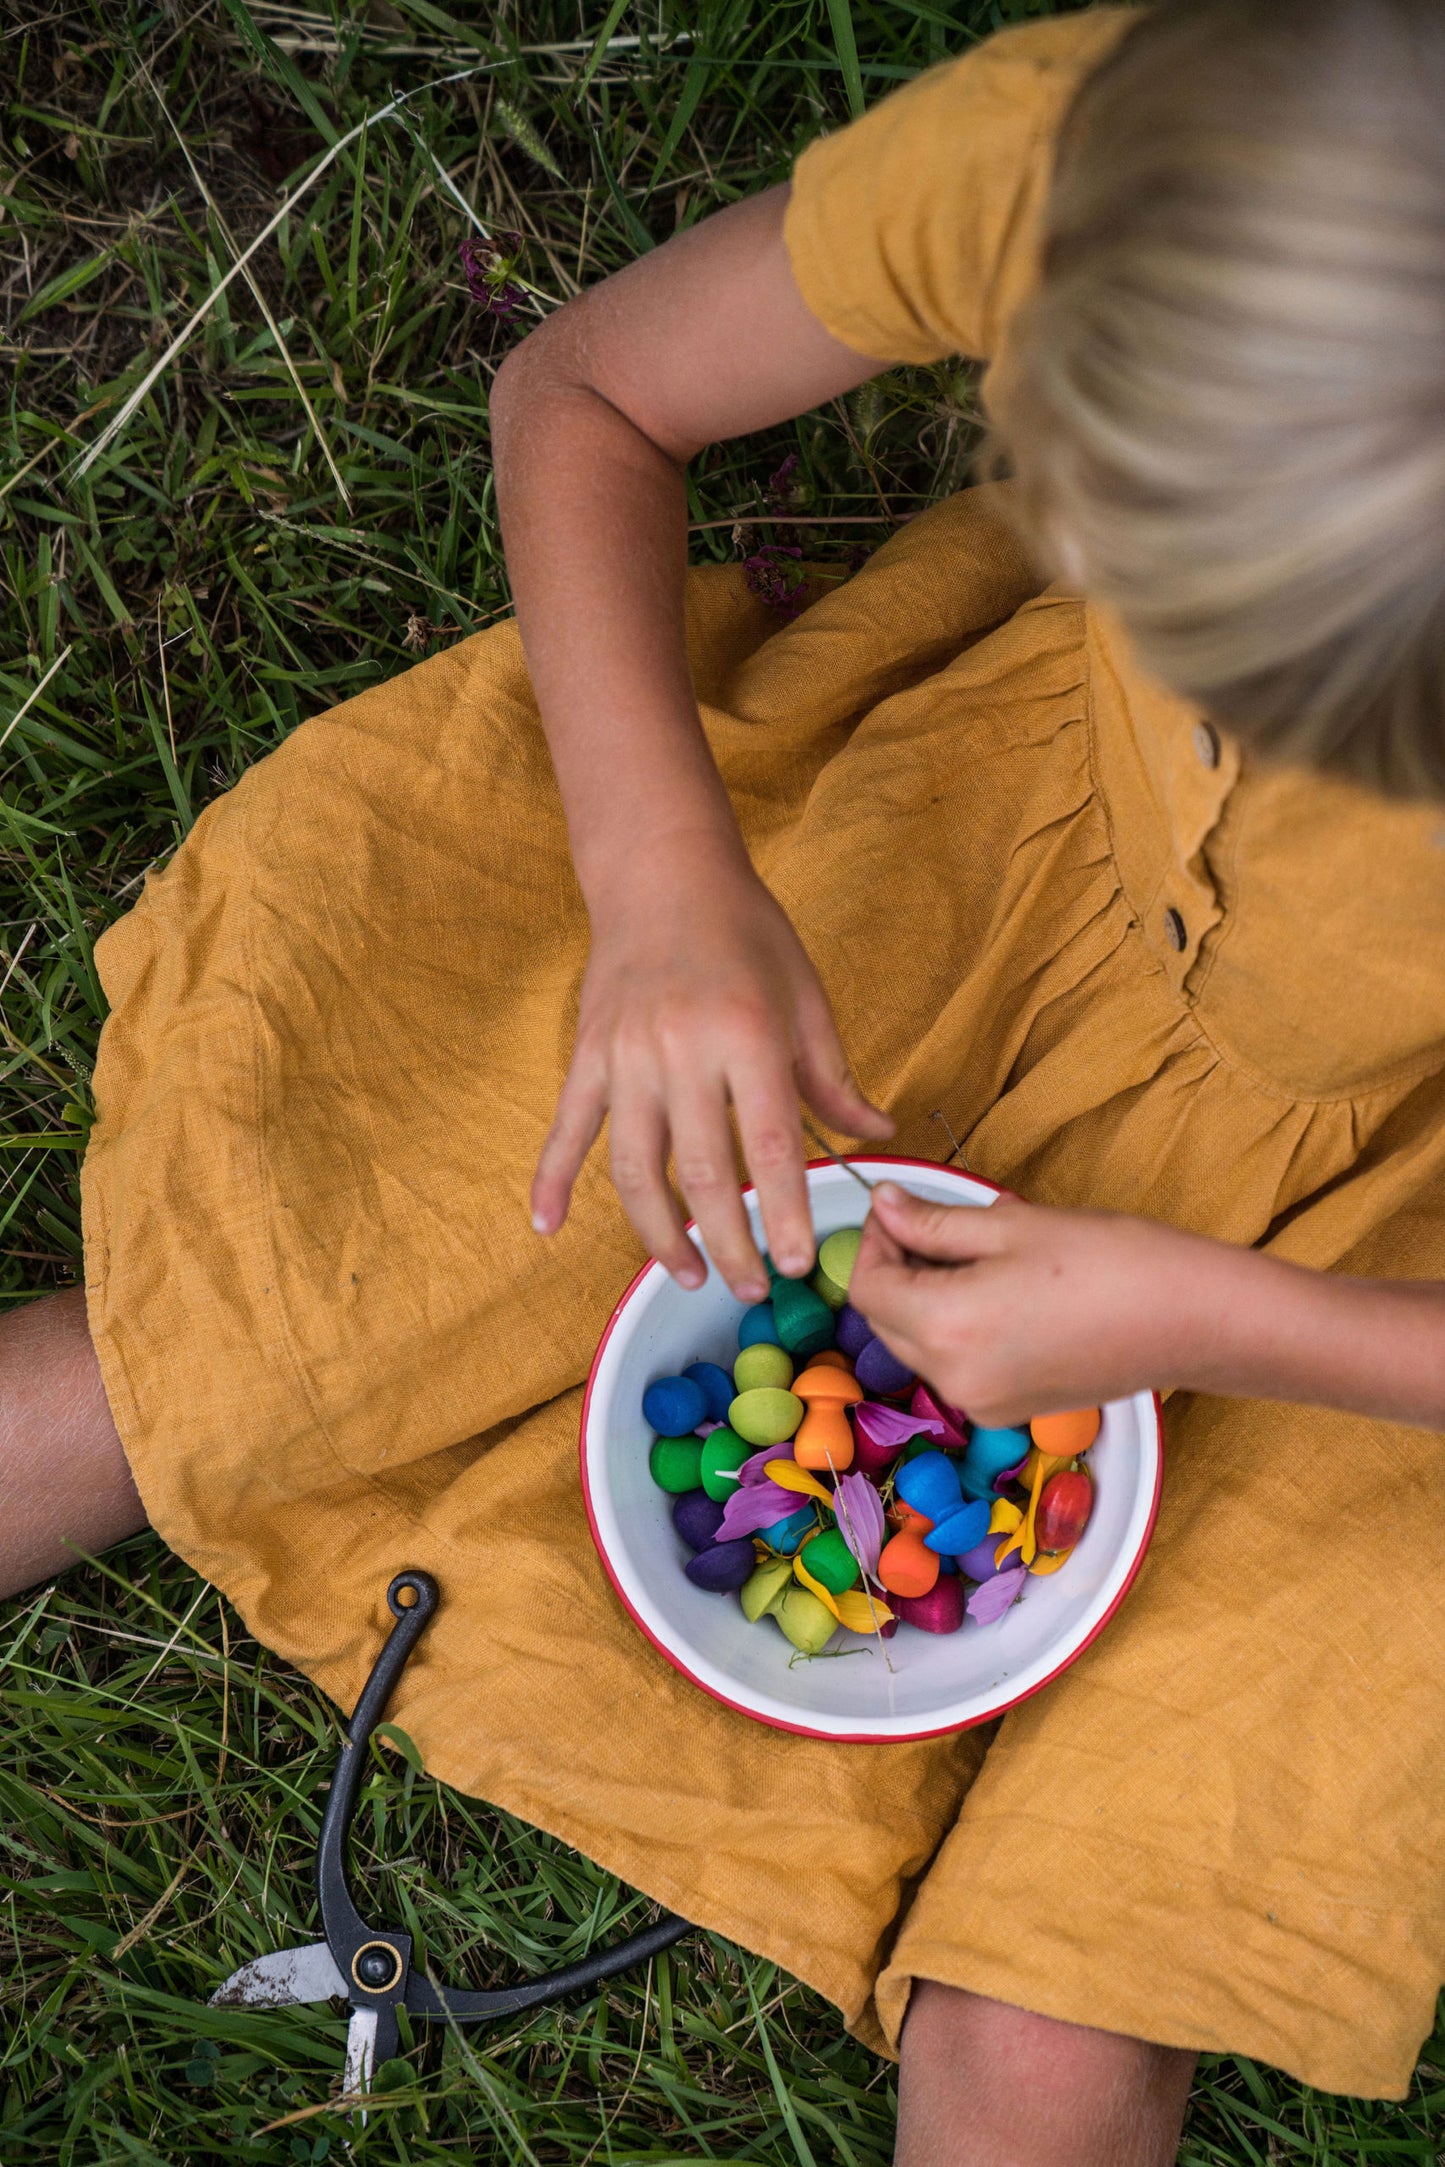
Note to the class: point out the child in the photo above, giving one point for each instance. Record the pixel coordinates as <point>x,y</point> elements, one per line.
<point>1177,954</point>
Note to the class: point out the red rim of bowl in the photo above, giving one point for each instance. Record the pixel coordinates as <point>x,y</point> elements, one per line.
<point>805,1730</point>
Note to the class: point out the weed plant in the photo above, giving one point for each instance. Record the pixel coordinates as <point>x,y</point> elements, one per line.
<point>299,506</point>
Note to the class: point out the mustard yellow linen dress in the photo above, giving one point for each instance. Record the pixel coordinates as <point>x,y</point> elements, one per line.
<point>1137,969</point>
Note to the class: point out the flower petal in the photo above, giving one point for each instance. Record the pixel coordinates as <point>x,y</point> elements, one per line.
<point>755,1469</point>
<point>989,1601</point>
<point>789,1476</point>
<point>860,1518</point>
<point>862,1613</point>
<point>890,1426</point>
<point>757,1506</point>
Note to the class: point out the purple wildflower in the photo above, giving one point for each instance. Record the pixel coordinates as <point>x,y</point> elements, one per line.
<point>779,491</point>
<point>770,576</point>
<point>487,265</point>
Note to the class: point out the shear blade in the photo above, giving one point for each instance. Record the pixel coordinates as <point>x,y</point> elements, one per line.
<point>288,1975</point>
<point>360,2055</point>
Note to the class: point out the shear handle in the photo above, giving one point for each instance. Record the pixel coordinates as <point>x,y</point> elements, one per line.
<point>354,1944</point>
<point>460,2005</point>
<point>346,1930</point>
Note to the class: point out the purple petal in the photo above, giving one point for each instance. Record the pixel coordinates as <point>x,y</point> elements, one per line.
<point>884,1426</point>
<point>996,1596</point>
<point>758,1506</point>
<point>1007,1475</point>
<point>955,1422</point>
<point>751,1470</point>
<point>860,1518</point>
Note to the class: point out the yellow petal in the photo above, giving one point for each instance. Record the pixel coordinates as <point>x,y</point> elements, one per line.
<point>815,1587</point>
<point>851,1609</point>
<point>855,1612</point>
<point>1005,1517</point>
<point>1034,1460</point>
<point>789,1476</point>
<point>1049,1561</point>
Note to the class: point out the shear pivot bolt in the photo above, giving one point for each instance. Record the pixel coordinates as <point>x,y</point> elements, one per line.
<point>376,1966</point>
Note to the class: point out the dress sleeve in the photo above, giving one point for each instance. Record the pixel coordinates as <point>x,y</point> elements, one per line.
<point>914,233</point>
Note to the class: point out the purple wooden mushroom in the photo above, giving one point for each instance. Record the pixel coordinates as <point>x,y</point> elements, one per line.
<point>697,1518</point>
<point>851,1331</point>
<point>877,1370</point>
<point>722,1566</point>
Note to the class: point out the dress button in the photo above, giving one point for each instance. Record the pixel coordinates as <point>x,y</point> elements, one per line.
<point>1174,931</point>
<point>1206,743</point>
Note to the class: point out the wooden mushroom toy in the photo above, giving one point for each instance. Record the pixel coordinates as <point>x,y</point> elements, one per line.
<point>1062,1436</point>
<point>906,1566</point>
<point>824,1436</point>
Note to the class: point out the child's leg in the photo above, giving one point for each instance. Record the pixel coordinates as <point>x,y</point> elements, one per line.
<point>992,2086</point>
<point>64,1482</point>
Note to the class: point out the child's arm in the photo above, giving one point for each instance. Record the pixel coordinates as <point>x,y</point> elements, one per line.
<point>698,992</point>
<point>1035,1310</point>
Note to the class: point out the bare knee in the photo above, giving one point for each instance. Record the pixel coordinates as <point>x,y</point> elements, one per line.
<point>63,1475</point>
<point>984,2084</point>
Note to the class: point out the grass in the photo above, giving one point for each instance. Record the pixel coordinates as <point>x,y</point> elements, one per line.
<point>300,506</point>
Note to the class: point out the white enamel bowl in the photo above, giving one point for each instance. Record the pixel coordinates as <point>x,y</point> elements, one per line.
<point>939,1682</point>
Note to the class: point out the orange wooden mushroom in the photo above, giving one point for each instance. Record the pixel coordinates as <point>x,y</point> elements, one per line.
<point>824,1438</point>
<point>906,1565</point>
<point>1062,1435</point>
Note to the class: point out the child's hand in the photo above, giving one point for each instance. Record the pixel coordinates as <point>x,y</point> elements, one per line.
<point>699,995</point>
<point>1035,1310</point>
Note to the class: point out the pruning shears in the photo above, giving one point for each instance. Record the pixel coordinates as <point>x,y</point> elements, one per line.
<point>370,1967</point>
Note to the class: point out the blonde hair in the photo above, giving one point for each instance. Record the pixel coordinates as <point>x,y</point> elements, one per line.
<point>1228,401</point>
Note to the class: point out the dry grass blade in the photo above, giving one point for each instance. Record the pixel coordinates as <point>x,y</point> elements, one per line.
<point>241,265</point>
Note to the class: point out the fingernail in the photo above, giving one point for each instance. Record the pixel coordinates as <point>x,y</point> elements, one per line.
<point>540,1223</point>
<point>689,1280</point>
<point>888,1192</point>
<point>751,1290</point>
<point>794,1264</point>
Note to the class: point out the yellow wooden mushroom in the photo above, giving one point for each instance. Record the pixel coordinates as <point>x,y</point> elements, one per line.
<point>823,1437</point>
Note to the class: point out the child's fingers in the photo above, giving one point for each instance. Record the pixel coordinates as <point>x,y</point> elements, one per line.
<point>906,1304</point>
<point>942,1233</point>
<point>581,1108</point>
<point>886,1292</point>
<point>877,1246</point>
<point>766,1101</point>
<point>881,1276</point>
<point>706,1169</point>
<point>639,1175</point>
<point>826,1081</point>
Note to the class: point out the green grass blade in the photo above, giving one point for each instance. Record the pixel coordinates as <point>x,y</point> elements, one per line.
<point>845,43</point>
